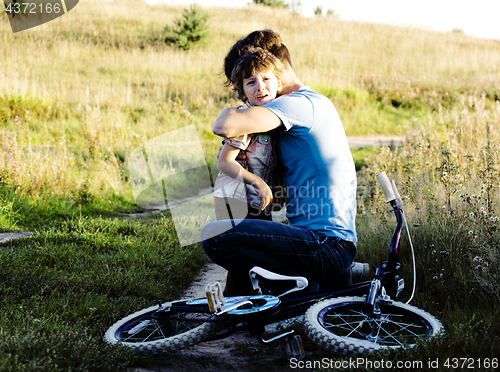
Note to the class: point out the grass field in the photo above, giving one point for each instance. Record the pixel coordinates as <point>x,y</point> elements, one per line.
<point>79,94</point>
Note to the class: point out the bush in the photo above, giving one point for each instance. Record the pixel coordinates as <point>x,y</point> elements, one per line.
<point>190,29</point>
<point>272,3</point>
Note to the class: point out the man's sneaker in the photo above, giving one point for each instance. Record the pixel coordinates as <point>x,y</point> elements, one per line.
<point>359,272</point>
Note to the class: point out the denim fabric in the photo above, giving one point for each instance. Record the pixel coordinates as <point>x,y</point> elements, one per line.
<point>239,245</point>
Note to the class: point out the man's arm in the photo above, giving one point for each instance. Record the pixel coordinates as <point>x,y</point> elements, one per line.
<point>233,122</point>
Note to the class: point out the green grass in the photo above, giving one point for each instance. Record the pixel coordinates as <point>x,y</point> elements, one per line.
<point>360,154</point>
<point>63,287</point>
<point>102,84</point>
<point>364,113</point>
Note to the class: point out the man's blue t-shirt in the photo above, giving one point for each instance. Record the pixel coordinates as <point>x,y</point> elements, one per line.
<point>320,176</point>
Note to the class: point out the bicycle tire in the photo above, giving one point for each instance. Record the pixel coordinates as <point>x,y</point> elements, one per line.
<point>285,324</point>
<point>342,325</point>
<point>143,333</point>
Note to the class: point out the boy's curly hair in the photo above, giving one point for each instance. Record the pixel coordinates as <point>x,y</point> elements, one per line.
<point>267,40</point>
<point>254,59</point>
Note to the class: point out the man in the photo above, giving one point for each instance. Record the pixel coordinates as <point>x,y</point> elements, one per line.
<point>320,179</point>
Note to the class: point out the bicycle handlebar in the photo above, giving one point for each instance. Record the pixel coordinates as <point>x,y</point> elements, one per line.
<point>386,187</point>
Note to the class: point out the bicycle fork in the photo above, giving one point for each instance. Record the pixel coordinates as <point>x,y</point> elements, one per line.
<point>370,325</point>
<point>375,288</point>
<point>393,281</point>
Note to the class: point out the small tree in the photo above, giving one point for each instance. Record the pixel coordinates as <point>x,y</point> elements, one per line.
<point>272,3</point>
<point>318,11</point>
<point>188,30</point>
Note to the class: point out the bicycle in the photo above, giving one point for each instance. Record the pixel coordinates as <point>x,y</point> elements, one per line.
<point>351,320</point>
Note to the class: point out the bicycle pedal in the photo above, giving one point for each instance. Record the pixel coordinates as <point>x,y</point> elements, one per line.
<point>400,286</point>
<point>215,297</point>
<point>294,347</point>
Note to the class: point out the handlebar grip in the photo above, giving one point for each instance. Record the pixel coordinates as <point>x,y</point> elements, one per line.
<point>386,186</point>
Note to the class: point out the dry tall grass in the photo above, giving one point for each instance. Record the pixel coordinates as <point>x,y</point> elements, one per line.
<point>99,85</point>
<point>97,45</point>
<point>451,187</point>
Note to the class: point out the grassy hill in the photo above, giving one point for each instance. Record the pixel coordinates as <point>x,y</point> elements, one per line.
<point>79,94</point>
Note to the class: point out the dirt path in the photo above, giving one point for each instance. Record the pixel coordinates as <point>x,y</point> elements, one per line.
<point>229,354</point>
<point>14,235</point>
<point>368,141</point>
<point>239,352</point>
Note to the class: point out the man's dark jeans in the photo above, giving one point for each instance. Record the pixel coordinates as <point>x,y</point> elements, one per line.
<point>239,245</point>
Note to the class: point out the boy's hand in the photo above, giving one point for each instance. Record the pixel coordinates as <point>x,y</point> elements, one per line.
<point>264,192</point>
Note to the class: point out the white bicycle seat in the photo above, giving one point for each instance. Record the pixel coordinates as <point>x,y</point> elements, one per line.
<point>300,281</point>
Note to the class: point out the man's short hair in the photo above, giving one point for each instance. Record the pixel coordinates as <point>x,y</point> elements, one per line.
<point>268,40</point>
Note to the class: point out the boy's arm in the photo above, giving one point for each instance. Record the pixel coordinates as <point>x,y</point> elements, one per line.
<point>228,165</point>
<point>226,162</point>
<point>233,122</point>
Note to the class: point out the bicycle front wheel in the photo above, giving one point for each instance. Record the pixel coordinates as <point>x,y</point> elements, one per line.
<point>346,326</point>
<point>153,332</point>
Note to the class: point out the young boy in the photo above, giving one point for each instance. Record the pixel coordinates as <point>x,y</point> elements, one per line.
<point>243,188</point>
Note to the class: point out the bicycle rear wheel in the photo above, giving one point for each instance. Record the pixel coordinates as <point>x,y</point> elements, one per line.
<point>152,332</point>
<point>346,326</point>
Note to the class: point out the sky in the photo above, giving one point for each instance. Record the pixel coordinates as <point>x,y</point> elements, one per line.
<point>479,18</point>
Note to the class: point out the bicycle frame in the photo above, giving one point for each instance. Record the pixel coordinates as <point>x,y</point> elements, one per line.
<point>387,273</point>
<point>292,305</point>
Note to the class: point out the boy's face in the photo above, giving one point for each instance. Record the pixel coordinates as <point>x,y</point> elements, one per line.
<point>261,87</point>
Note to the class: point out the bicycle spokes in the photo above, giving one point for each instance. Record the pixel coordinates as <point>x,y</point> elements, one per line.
<point>162,326</point>
<point>391,328</point>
